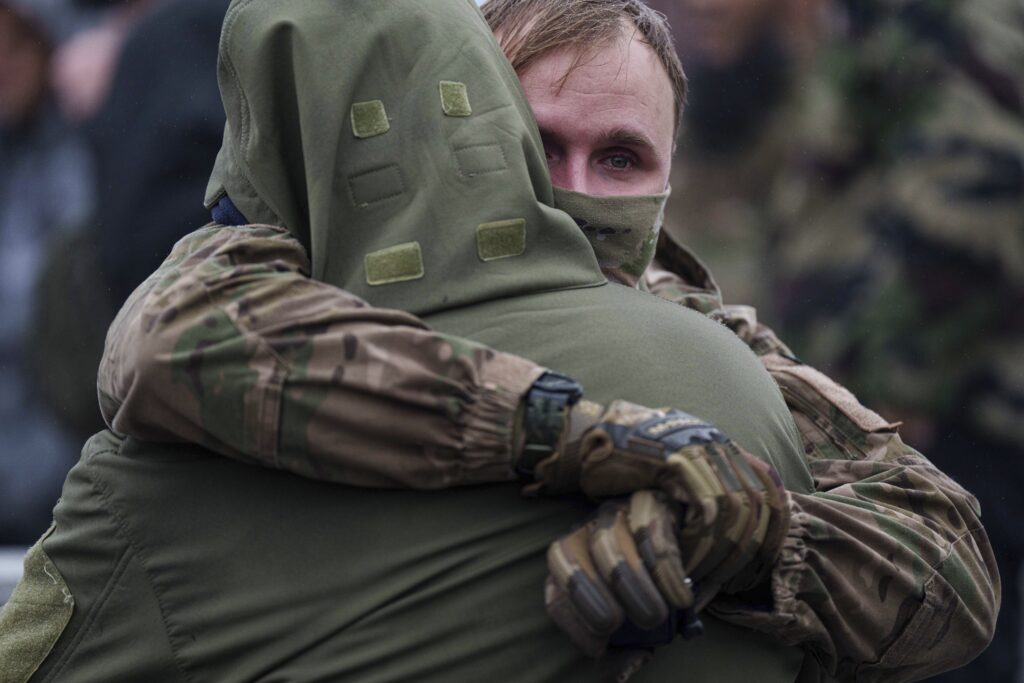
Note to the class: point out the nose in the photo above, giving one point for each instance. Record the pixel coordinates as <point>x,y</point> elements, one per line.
<point>571,173</point>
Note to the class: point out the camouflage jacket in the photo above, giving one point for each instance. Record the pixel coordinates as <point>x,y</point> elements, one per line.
<point>886,573</point>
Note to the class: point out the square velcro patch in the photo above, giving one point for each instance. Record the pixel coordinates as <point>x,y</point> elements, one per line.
<point>399,263</point>
<point>455,99</point>
<point>369,119</point>
<point>501,239</point>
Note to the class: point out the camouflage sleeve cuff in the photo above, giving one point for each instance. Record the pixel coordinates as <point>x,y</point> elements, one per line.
<point>787,618</point>
<point>490,417</point>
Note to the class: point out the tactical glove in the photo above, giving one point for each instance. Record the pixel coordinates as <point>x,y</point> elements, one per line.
<point>623,565</point>
<point>735,508</point>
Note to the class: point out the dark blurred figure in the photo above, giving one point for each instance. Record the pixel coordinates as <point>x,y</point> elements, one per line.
<point>45,189</point>
<point>876,194</point>
<point>155,139</point>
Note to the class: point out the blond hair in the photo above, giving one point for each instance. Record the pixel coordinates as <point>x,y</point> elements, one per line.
<point>528,29</point>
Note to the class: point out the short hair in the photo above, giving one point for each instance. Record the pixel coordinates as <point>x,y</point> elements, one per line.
<point>528,29</point>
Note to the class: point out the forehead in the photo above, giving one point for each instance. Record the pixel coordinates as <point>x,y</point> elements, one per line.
<point>622,84</point>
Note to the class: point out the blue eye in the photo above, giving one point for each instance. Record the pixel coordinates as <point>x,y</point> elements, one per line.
<point>620,162</point>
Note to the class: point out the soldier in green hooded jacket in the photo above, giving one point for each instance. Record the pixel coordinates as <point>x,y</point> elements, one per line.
<point>216,570</point>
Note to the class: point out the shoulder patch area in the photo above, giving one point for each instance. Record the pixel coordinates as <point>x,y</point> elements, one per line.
<point>35,616</point>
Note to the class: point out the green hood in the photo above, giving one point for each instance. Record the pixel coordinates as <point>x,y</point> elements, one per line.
<point>375,147</point>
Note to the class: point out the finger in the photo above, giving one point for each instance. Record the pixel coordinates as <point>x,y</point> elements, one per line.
<point>776,501</point>
<point>574,573</point>
<point>777,526</point>
<point>742,540</point>
<point>653,527</point>
<point>706,546</point>
<point>560,608</point>
<point>621,567</point>
<point>696,485</point>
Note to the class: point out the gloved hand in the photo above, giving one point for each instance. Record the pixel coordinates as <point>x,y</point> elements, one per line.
<point>624,564</point>
<point>735,508</point>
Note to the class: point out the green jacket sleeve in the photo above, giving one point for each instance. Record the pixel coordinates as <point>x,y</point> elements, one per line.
<point>231,345</point>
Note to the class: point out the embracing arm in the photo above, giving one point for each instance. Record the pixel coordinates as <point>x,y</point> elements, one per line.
<point>886,573</point>
<point>231,345</point>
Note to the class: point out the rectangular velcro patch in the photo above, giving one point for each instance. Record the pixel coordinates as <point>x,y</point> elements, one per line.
<point>377,185</point>
<point>399,263</point>
<point>369,119</point>
<point>477,160</point>
<point>501,239</point>
<point>455,99</point>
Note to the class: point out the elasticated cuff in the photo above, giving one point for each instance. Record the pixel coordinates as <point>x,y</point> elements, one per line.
<point>489,421</point>
<point>782,619</point>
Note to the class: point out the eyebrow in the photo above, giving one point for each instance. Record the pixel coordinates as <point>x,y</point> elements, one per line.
<point>629,137</point>
<point>619,136</point>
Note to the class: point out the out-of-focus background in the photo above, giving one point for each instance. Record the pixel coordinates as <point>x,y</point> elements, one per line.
<point>852,168</point>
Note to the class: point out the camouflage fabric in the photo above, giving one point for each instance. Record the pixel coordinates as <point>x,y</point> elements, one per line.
<point>622,231</point>
<point>929,562</point>
<point>877,231</point>
<point>899,254</point>
<point>231,345</point>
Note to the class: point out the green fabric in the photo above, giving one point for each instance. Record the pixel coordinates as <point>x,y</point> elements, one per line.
<point>117,631</point>
<point>501,239</point>
<point>261,575</point>
<point>473,160</point>
<point>289,75</point>
<point>621,343</point>
<point>622,230</point>
<point>34,617</point>
<point>396,264</point>
<point>369,119</point>
<point>455,99</point>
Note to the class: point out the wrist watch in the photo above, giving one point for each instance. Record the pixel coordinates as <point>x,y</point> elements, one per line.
<point>547,408</point>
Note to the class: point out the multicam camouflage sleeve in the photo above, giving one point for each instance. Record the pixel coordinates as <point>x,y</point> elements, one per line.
<point>230,344</point>
<point>887,573</point>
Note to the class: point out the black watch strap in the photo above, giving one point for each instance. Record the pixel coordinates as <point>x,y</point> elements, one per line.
<point>547,407</point>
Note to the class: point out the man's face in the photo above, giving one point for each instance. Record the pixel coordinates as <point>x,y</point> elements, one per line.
<point>609,129</point>
<point>22,69</point>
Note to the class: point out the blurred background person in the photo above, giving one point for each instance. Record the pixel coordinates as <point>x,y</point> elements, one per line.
<point>83,67</point>
<point>856,169</point>
<point>154,139</point>
<point>108,198</point>
<point>45,189</point>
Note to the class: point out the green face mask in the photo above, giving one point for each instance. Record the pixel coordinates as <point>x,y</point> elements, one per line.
<point>623,230</point>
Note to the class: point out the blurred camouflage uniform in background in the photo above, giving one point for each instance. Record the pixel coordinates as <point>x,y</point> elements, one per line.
<point>892,239</point>
<point>899,250</point>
